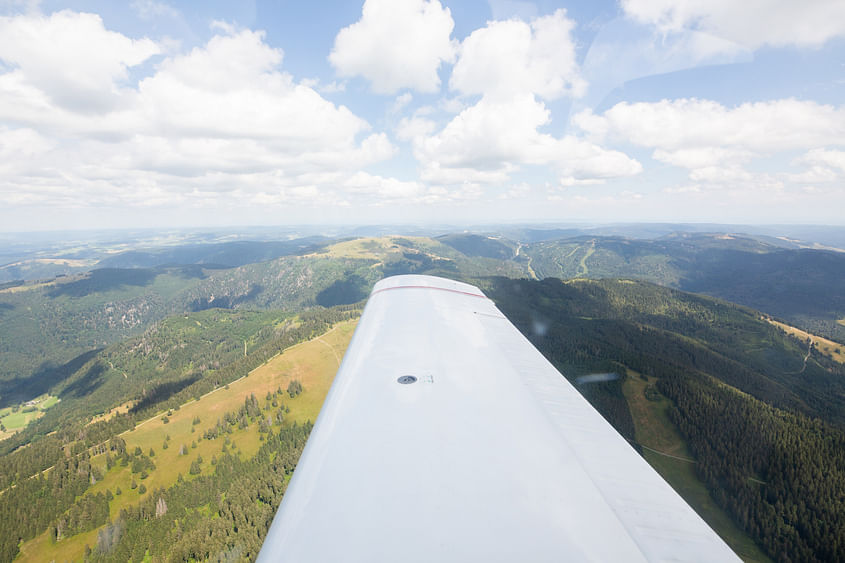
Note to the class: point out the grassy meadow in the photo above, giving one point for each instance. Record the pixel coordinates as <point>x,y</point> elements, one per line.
<point>17,419</point>
<point>377,248</point>
<point>835,350</point>
<point>363,248</point>
<point>667,452</point>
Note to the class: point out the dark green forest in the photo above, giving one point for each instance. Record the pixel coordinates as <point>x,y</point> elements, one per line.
<point>802,286</point>
<point>767,436</point>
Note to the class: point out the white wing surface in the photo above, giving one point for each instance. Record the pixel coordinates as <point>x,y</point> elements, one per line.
<point>447,436</point>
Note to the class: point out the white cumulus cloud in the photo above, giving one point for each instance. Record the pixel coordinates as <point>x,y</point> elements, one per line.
<point>821,166</point>
<point>506,58</point>
<point>221,124</point>
<point>410,128</point>
<point>396,44</point>
<point>383,189</point>
<point>762,127</point>
<point>743,148</point>
<point>513,65</point>
<point>491,139</point>
<point>753,23</point>
<point>71,57</point>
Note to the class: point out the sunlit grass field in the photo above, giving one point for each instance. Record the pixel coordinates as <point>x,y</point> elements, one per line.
<point>827,347</point>
<point>14,421</point>
<point>368,247</point>
<point>376,248</point>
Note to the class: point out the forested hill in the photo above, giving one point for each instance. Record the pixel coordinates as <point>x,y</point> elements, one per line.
<point>47,330</point>
<point>477,245</point>
<point>76,481</point>
<point>765,427</point>
<point>802,286</point>
<point>224,254</point>
<point>31,258</point>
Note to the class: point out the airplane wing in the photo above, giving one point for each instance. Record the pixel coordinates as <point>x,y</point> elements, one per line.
<point>447,436</point>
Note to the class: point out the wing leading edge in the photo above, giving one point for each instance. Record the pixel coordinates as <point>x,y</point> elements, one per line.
<point>485,453</point>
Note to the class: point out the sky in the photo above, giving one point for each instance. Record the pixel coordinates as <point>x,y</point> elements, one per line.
<point>216,113</point>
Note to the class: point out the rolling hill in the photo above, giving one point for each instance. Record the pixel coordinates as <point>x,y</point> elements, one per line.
<point>48,329</point>
<point>801,286</point>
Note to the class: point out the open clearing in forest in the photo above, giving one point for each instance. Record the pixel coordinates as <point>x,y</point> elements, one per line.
<point>27,287</point>
<point>119,409</point>
<point>27,412</point>
<point>667,452</point>
<point>583,270</point>
<point>314,363</point>
<point>377,248</point>
<point>827,347</point>
<point>368,247</point>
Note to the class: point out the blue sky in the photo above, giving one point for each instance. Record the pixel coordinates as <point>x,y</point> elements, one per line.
<point>213,113</point>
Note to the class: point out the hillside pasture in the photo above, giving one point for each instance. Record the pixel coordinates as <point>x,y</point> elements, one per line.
<point>827,347</point>
<point>14,419</point>
<point>362,248</point>
<point>313,363</point>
